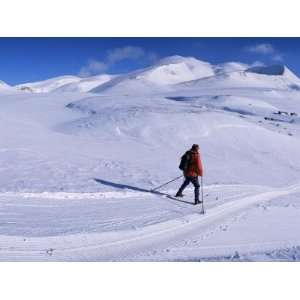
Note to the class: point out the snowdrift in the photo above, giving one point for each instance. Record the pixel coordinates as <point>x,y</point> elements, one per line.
<point>77,166</point>
<point>145,112</point>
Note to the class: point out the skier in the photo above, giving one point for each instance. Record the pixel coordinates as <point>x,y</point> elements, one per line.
<point>192,168</point>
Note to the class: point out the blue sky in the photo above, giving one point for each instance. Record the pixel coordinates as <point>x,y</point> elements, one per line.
<point>33,59</point>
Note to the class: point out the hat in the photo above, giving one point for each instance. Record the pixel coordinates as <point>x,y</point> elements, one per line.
<point>195,147</point>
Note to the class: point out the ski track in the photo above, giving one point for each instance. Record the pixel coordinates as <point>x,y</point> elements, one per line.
<point>122,245</point>
<point>74,196</point>
<point>125,193</point>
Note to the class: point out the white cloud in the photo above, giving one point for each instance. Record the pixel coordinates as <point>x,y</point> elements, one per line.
<point>266,49</point>
<point>257,63</point>
<point>93,67</point>
<point>115,56</point>
<point>129,52</point>
<point>261,49</point>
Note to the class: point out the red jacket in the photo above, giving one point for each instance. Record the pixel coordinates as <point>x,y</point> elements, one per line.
<point>195,165</point>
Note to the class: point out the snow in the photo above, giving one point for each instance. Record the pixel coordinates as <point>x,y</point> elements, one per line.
<point>85,84</point>
<point>230,67</point>
<point>168,71</point>
<point>5,88</point>
<point>48,85</point>
<point>65,84</point>
<point>79,156</point>
<point>262,77</point>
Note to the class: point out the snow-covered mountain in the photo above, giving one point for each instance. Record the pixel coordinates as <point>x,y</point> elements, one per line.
<point>275,70</point>
<point>170,74</point>
<point>193,73</point>
<point>229,67</point>
<point>175,69</point>
<point>4,87</point>
<point>77,168</point>
<point>85,84</point>
<point>49,85</point>
<point>65,84</point>
<point>160,76</point>
<point>272,77</point>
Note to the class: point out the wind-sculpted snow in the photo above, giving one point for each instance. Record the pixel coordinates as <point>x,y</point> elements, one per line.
<point>238,104</point>
<point>77,168</point>
<point>243,128</point>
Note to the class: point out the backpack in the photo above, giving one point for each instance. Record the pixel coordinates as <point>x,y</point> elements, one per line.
<point>184,162</point>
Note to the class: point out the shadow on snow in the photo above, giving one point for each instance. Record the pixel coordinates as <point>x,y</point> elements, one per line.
<point>134,188</point>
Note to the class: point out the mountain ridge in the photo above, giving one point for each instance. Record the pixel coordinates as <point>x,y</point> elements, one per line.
<point>165,75</point>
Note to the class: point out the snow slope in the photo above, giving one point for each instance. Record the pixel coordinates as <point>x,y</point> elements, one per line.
<point>272,77</point>
<point>168,71</point>
<point>5,88</point>
<point>230,67</point>
<point>77,168</point>
<point>66,84</point>
<point>85,84</point>
<point>174,232</point>
<point>48,85</point>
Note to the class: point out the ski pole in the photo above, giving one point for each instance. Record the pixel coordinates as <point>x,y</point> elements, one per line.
<point>166,183</point>
<point>202,211</point>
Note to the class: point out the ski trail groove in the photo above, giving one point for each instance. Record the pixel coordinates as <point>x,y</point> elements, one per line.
<point>171,231</point>
<point>125,193</point>
<point>119,245</point>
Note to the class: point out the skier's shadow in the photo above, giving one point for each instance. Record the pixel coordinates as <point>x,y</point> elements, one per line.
<point>134,188</point>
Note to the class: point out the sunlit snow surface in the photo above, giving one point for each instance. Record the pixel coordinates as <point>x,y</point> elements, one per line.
<point>76,168</point>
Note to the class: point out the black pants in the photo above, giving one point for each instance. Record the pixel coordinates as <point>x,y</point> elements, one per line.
<point>195,182</point>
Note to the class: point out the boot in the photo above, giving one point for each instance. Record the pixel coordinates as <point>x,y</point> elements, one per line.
<point>179,194</point>
<point>197,201</point>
